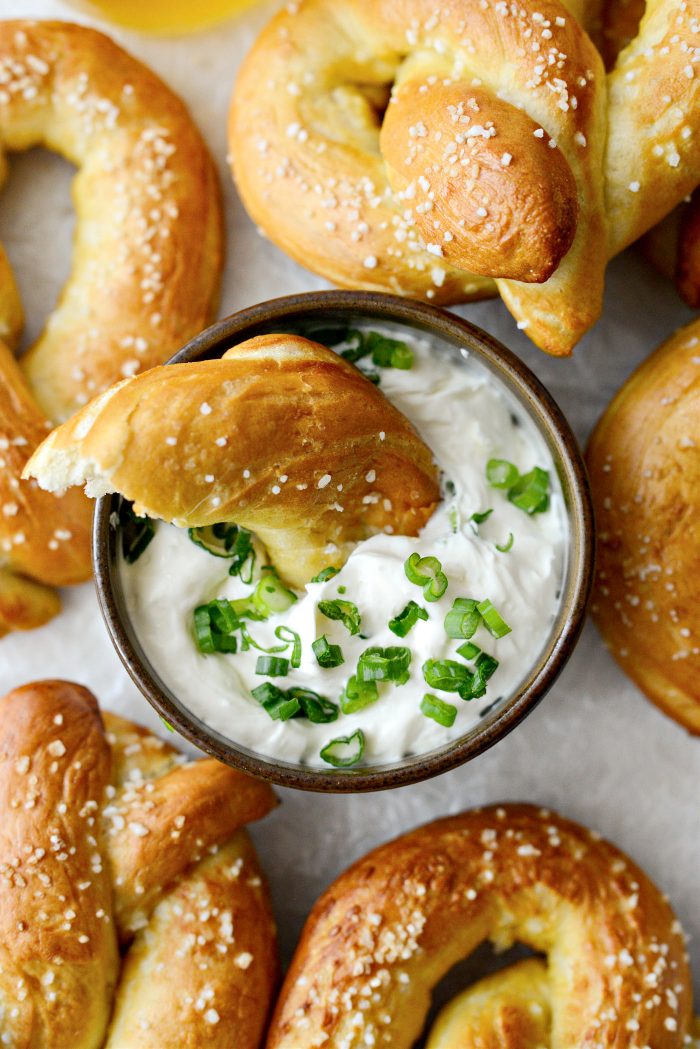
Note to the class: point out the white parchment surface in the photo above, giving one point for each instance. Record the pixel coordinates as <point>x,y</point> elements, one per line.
<point>594,749</point>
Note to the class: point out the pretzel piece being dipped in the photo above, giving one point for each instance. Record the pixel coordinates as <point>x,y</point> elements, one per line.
<point>81,796</point>
<point>644,464</point>
<point>389,928</point>
<point>280,435</point>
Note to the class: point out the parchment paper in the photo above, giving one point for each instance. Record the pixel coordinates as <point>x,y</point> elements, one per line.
<point>595,749</point>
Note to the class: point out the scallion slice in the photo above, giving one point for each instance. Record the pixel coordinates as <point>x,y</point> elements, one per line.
<point>446,674</point>
<point>426,572</point>
<point>501,474</point>
<point>324,574</point>
<point>493,621</point>
<point>327,655</point>
<point>344,611</point>
<point>315,707</point>
<point>508,545</point>
<point>437,709</point>
<point>468,650</point>
<point>214,627</point>
<point>243,556</point>
<point>271,596</point>
<point>384,664</point>
<point>463,618</point>
<point>345,750</point>
<point>389,353</point>
<point>217,539</point>
<point>479,518</point>
<point>276,702</point>
<point>272,666</point>
<point>486,665</point>
<point>357,348</point>
<point>358,694</point>
<point>530,492</point>
<point>407,619</point>
<point>290,637</point>
<point>136,532</point>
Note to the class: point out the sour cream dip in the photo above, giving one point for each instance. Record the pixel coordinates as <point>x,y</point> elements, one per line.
<point>512,558</point>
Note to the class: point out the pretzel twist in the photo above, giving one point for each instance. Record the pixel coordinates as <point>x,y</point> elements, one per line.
<point>644,463</point>
<point>489,158</point>
<point>107,838</point>
<point>280,435</point>
<point>390,927</point>
<point>147,250</point>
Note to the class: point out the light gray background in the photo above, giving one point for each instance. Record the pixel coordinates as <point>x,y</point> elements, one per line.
<point>595,749</point>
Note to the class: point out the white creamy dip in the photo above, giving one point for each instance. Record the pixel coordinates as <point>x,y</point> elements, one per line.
<point>466,417</point>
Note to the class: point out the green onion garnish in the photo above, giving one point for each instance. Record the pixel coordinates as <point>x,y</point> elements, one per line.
<point>167,725</point>
<point>446,674</point>
<point>345,750</point>
<point>276,702</point>
<point>357,348</point>
<point>214,627</point>
<point>481,517</point>
<point>285,633</point>
<point>217,539</point>
<point>272,666</point>
<point>345,611</point>
<point>384,664</point>
<point>271,595</point>
<point>386,353</point>
<point>324,574</point>
<point>137,532</point>
<point>316,708</point>
<point>463,618</point>
<point>437,709</point>
<point>407,619</point>
<point>358,694</point>
<point>486,665</point>
<point>327,655</point>
<point>243,556</point>
<point>468,650</point>
<point>493,621</point>
<point>501,474</point>
<point>508,545</point>
<point>426,572</point>
<point>531,492</point>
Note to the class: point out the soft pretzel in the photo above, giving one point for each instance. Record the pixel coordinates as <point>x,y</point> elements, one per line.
<point>147,249</point>
<point>44,539</point>
<point>644,464</point>
<point>489,159</point>
<point>388,929</point>
<point>280,435</point>
<point>108,838</point>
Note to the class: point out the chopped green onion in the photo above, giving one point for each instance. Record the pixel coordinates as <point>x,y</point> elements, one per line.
<point>342,589</point>
<point>271,595</point>
<point>327,655</point>
<point>324,574</point>
<point>316,708</point>
<point>137,532</point>
<point>167,725</point>
<point>453,518</point>
<point>486,665</point>
<point>446,674</point>
<point>243,553</point>
<point>531,492</point>
<point>345,750</point>
<point>389,353</point>
<point>285,633</point>
<point>463,618</point>
<point>345,611</point>
<point>272,666</point>
<point>217,539</point>
<point>426,572</point>
<point>501,474</point>
<point>358,694</point>
<point>407,619</point>
<point>384,664</point>
<point>437,709</point>
<point>276,702</point>
<point>493,621</point>
<point>508,545</point>
<point>480,518</point>
<point>214,627</point>
<point>468,650</point>
<point>358,347</point>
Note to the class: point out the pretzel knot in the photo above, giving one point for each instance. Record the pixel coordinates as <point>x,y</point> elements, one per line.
<point>408,146</point>
<point>110,841</point>
<point>386,932</point>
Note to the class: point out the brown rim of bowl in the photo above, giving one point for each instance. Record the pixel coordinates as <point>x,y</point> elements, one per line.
<point>498,720</point>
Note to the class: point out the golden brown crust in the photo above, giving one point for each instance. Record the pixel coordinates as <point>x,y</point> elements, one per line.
<point>148,243</point>
<point>390,927</point>
<point>311,166</point>
<point>70,878</point>
<point>644,464</point>
<point>280,435</point>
